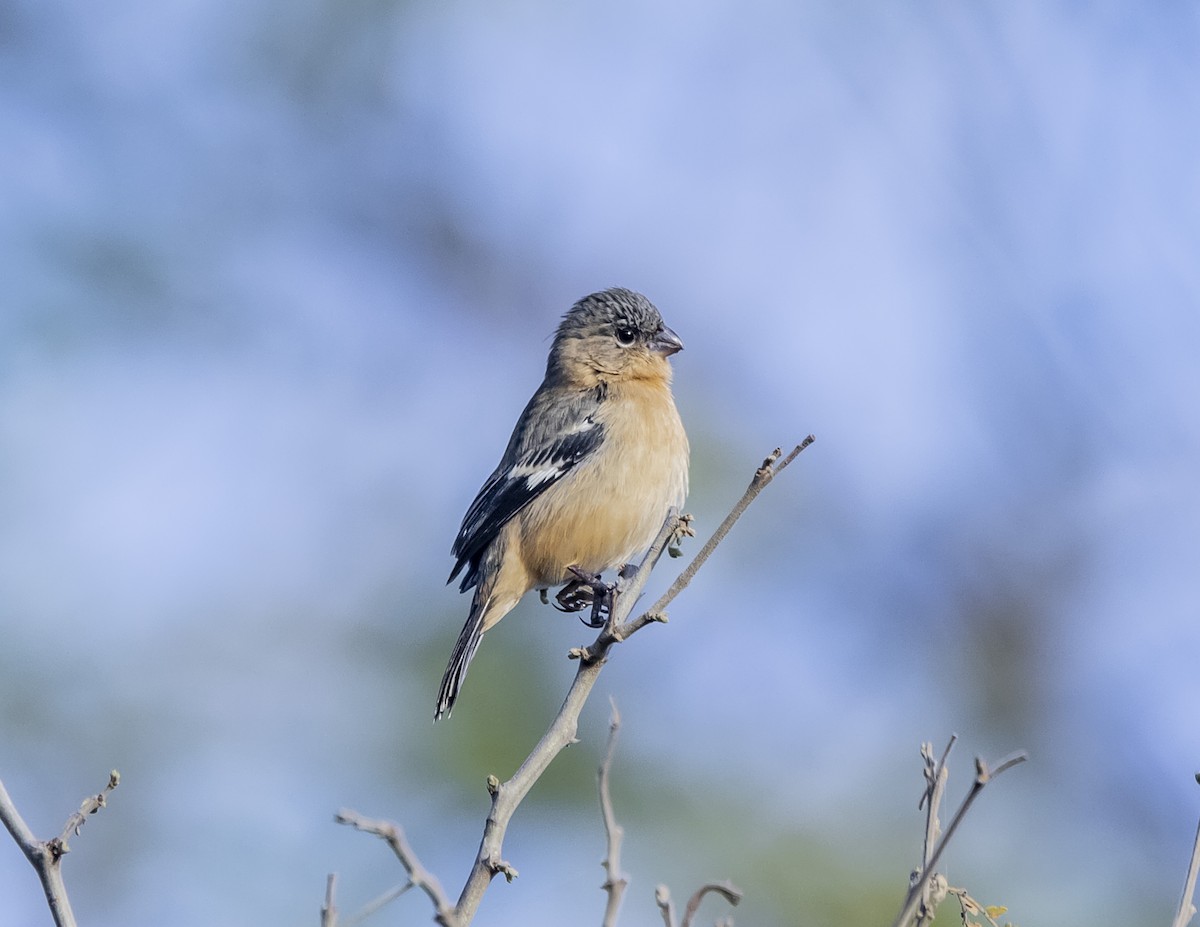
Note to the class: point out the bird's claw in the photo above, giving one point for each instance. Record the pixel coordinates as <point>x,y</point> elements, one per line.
<point>584,590</point>
<point>575,596</point>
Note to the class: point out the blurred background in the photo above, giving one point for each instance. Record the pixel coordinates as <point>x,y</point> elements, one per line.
<point>279,277</point>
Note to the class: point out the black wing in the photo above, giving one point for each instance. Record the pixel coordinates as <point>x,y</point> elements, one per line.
<point>553,435</point>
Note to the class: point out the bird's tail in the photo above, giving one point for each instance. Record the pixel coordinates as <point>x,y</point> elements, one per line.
<point>460,659</point>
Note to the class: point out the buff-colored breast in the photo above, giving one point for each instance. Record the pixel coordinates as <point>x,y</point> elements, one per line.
<point>611,506</point>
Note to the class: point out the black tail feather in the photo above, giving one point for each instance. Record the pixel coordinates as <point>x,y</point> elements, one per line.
<point>460,659</point>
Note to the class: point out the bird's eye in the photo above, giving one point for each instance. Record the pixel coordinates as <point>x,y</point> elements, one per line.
<point>625,335</point>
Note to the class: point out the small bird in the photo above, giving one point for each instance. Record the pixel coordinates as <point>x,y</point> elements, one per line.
<point>596,460</point>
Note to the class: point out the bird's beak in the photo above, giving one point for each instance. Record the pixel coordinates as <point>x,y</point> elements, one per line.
<point>666,342</point>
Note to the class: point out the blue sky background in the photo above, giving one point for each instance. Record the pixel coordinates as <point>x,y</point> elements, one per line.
<point>277,280</point>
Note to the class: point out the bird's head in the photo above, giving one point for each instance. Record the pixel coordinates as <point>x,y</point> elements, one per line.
<point>615,334</point>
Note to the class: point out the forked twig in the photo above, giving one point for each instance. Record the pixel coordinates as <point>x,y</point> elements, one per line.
<point>662,897</point>
<point>507,796</point>
<point>771,467</point>
<point>418,875</point>
<point>46,855</point>
<point>329,912</point>
<point>983,775</point>
<point>936,774</point>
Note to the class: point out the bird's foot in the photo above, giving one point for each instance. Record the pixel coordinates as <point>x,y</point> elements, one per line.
<point>575,596</point>
<point>584,590</point>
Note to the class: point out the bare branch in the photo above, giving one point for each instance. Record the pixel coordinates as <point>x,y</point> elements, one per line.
<point>16,825</point>
<point>726,890</point>
<point>507,796</point>
<point>329,912</point>
<point>75,822</point>
<point>372,906</point>
<point>931,767</point>
<point>983,775</point>
<point>936,774</point>
<point>418,875</point>
<point>46,856</point>
<point>329,916</point>
<point>771,468</point>
<point>969,907</point>
<point>662,897</point>
<point>1014,759</point>
<point>1187,908</point>
<point>615,881</point>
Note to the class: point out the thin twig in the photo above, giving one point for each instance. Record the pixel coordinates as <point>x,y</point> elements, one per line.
<point>771,468</point>
<point>329,912</point>
<point>983,776</point>
<point>969,907</point>
<point>89,806</point>
<point>374,905</point>
<point>1187,908</point>
<point>929,766</point>
<point>936,774</point>
<point>615,881</point>
<point>418,875</point>
<point>329,917</point>
<point>46,856</point>
<point>662,898</point>
<point>726,890</point>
